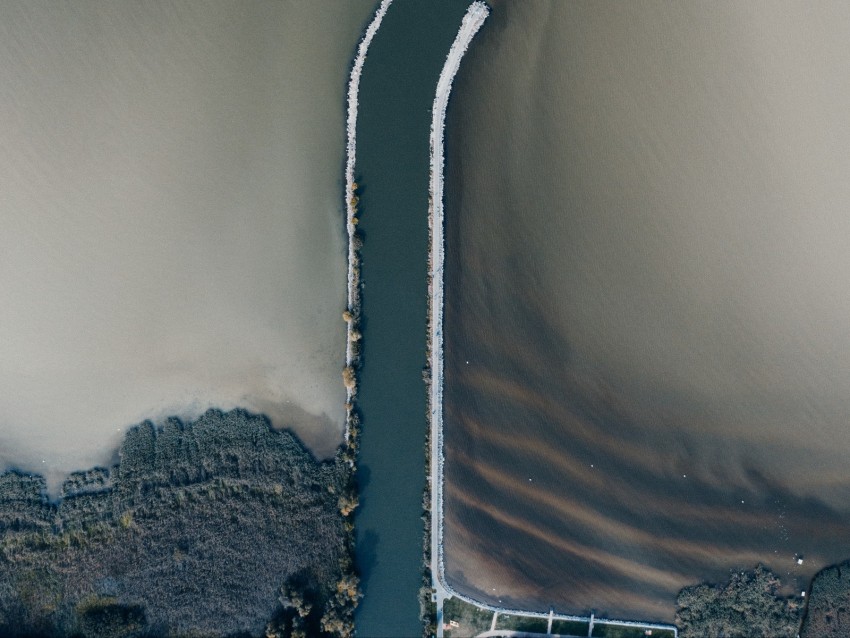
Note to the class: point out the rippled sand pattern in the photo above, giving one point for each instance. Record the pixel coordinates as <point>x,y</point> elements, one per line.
<point>645,332</point>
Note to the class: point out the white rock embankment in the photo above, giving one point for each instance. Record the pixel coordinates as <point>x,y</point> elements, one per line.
<point>353,289</point>
<point>472,22</point>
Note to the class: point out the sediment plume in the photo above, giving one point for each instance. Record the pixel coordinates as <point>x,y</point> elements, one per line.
<point>472,22</point>
<point>593,340</point>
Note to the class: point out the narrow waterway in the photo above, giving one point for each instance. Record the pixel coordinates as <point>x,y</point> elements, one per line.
<point>396,95</point>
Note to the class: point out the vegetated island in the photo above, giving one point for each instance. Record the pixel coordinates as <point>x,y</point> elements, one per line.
<point>218,527</point>
<point>750,604</point>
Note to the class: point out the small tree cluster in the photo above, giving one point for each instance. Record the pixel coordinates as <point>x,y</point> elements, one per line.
<point>349,378</point>
<point>828,613</point>
<point>748,605</point>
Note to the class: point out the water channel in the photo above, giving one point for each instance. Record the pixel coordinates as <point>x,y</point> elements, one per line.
<point>396,94</point>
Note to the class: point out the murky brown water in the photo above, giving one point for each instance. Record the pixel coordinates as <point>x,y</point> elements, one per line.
<point>647,335</point>
<point>171,218</point>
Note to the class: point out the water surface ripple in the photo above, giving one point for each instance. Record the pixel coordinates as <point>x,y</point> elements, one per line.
<point>646,331</point>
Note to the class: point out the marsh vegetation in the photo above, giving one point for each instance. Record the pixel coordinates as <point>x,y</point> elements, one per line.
<point>748,604</point>
<point>218,527</point>
<point>828,611</point>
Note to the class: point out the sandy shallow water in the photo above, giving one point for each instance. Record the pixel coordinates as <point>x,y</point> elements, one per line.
<point>172,219</point>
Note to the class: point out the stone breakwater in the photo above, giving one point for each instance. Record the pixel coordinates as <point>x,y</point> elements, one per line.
<point>352,312</point>
<point>472,22</point>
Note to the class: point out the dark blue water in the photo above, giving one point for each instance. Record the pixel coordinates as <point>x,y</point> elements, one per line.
<point>396,94</point>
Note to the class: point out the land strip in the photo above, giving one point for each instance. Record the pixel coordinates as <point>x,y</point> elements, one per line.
<point>352,312</point>
<point>472,22</point>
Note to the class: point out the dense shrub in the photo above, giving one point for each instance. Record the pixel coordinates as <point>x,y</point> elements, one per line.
<point>198,531</point>
<point>828,613</point>
<point>748,605</point>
